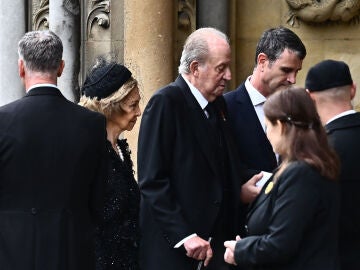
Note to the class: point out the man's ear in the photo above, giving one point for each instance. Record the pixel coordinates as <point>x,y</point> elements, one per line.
<point>311,94</point>
<point>194,68</point>
<point>61,68</point>
<point>261,60</point>
<point>21,68</point>
<point>352,91</point>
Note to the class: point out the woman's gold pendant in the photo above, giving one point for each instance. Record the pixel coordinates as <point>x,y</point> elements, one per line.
<point>269,187</point>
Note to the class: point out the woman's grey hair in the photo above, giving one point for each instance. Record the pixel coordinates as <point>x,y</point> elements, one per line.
<point>196,47</point>
<point>41,51</point>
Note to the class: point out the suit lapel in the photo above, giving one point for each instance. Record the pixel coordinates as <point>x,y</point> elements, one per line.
<point>198,124</point>
<point>246,111</point>
<point>247,117</point>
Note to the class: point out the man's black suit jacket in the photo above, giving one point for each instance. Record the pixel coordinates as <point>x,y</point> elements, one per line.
<point>253,147</point>
<point>51,156</point>
<point>179,177</point>
<point>344,136</point>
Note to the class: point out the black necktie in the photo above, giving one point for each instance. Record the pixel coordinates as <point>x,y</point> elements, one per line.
<point>211,115</point>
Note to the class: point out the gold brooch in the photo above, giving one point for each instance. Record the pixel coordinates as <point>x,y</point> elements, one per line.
<point>269,187</point>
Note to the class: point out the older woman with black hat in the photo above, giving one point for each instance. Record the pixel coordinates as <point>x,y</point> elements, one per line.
<point>111,90</point>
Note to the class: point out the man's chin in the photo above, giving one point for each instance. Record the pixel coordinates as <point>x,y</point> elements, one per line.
<point>282,87</point>
<point>220,91</point>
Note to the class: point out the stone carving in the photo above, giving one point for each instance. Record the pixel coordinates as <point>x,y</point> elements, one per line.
<point>72,6</point>
<point>318,11</point>
<point>186,24</point>
<point>186,15</point>
<point>41,16</point>
<point>99,13</point>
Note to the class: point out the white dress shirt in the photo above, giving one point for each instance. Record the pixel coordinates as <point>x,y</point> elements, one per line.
<point>341,115</point>
<point>257,99</point>
<point>198,96</point>
<point>42,85</point>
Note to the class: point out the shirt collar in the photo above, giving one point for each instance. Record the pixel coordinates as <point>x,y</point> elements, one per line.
<point>255,96</point>
<point>341,115</point>
<point>197,94</point>
<point>42,85</point>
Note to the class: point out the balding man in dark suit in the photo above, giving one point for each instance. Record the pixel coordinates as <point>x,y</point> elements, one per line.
<point>332,88</point>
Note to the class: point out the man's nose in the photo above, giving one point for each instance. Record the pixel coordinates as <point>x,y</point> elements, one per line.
<point>227,75</point>
<point>292,78</point>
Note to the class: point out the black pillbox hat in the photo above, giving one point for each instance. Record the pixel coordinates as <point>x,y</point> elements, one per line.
<point>328,74</point>
<point>105,80</point>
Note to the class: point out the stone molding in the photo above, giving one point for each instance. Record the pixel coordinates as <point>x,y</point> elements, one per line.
<point>99,13</point>
<point>323,11</point>
<point>41,16</point>
<point>186,14</point>
<point>185,25</point>
<point>72,6</point>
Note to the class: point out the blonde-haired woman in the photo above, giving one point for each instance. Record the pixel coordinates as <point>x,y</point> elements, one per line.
<point>110,89</point>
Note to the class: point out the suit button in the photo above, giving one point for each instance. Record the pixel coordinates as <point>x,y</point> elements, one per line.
<point>33,211</point>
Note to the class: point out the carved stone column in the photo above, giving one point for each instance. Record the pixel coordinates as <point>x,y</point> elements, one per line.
<point>12,16</point>
<point>149,48</point>
<point>64,16</point>
<point>213,13</point>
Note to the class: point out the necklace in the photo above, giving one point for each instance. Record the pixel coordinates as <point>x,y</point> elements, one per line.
<point>119,152</point>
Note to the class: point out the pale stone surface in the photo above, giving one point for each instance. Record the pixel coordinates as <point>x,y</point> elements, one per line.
<point>185,24</point>
<point>213,13</point>
<point>339,41</point>
<point>64,21</point>
<point>250,19</point>
<point>12,15</point>
<point>149,37</point>
<point>254,16</point>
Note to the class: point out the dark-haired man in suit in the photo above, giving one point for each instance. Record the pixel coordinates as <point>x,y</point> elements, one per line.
<point>331,87</point>
<point>51,167</point>
<point>278,58</point>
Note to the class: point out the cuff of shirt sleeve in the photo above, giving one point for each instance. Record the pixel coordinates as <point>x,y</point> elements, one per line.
<point>184,240</point>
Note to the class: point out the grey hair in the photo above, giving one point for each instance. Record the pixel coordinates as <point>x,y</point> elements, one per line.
<point>41,51</point>
<point>196,47</point>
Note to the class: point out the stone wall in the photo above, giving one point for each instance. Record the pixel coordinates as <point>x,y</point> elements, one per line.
<point>337,39</point>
